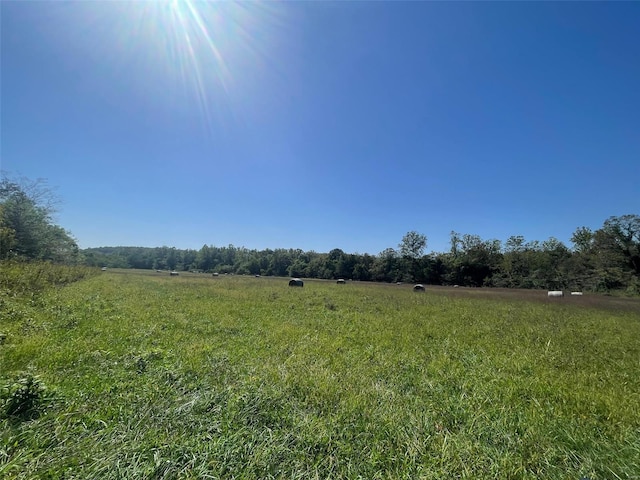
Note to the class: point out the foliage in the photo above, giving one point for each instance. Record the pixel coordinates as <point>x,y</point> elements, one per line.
<point>413,245</point>
<point>606,260</point>
<point>31,277</point>
<point>26,223</point>
<point>25,398</point>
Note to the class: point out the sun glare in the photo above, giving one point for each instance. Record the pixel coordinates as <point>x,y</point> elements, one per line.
<point>193,51</point>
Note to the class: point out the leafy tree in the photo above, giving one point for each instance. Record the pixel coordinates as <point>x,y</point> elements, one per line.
<point>386,267</point>
<point>553,265</point>
<point>434,269</point>
<point>26,223</point>
<point>362,268</point>
<point>279,262</point>
<point>413,245</point>
<point>204,259</point>
<point>189,259</point>
<point>514,243</point>
<point>316,265</point>
<point>582,240</point>
<point>411,250</point>
<point>472,261</point>
<point>624,233</point>
<point>298,269</point>
<point>608,258</point>
<point>8,240</point>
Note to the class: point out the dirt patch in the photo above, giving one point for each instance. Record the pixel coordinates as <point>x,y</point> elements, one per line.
<point>588,300</point>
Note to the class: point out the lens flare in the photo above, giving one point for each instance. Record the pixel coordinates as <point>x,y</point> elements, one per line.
<point>181,52</point>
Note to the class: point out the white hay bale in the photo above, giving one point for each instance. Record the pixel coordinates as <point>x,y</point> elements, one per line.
<point>341,281</point>
<point>555,293</point>
<point>418,288</point>
<point>576,293</point>
<point>174,273</point>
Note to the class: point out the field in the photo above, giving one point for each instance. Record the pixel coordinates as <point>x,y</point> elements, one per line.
<point>131,374</point>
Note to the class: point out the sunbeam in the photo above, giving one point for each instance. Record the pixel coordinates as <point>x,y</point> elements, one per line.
<point>181,52</point>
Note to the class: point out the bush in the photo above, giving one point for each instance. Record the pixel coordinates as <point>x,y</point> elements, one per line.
<point>25,399</point>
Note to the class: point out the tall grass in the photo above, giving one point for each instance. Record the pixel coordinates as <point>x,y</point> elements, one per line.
<point>28,277</point>
<point>151,376</point>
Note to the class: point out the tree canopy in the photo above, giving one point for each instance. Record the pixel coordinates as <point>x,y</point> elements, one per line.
<point>27,229</point>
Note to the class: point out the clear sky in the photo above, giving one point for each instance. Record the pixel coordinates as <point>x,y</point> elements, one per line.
<point>320,125</point>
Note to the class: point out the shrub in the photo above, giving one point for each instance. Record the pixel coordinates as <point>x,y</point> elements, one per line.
<point>26,398</point>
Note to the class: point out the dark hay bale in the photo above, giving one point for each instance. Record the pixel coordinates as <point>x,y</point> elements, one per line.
<point>341,281</point>
<point>418,288</point>
<point>296,282</point>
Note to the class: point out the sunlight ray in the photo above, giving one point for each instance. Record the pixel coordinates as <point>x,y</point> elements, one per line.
<point>181,55</point>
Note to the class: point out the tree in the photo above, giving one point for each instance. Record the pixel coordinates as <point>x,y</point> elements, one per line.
<point>554,264</point>
<point>385,266</point>
<point>624,232</point>
<point>472,261</point>
<point>26,223</point>
<point>608,258</point>
<point>514,243</point>
<point>412,249</point>
<point>413,245</point>
<point>8,240</point>
<point>582,239</point>
<point>204,259</point>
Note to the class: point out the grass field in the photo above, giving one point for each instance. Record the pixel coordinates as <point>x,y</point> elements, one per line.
<point>131,374</point>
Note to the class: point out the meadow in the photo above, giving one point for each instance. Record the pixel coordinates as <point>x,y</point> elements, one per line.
<point>136,374</point>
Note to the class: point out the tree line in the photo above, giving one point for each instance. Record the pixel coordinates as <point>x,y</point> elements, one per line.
<point>603,260</point>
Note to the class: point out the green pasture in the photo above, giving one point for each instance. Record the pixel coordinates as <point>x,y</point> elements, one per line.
<point>130,374</point>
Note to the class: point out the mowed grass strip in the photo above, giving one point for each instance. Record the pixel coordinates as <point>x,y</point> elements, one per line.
<point>151,376</point>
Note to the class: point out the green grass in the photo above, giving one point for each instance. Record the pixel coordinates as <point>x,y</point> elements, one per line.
<point>151,376</point>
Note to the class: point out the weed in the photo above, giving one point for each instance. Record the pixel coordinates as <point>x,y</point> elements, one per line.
<point>25,399</point>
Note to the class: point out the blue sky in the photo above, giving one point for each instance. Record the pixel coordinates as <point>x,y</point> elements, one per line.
<point>320,125</point>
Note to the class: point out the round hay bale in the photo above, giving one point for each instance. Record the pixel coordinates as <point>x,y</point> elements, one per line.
<point>555,293</point>
<point>215,274</point>
<point>418,288</point>
<point>341,281</point>
<point>296,282</point>
<point>174,273</point>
